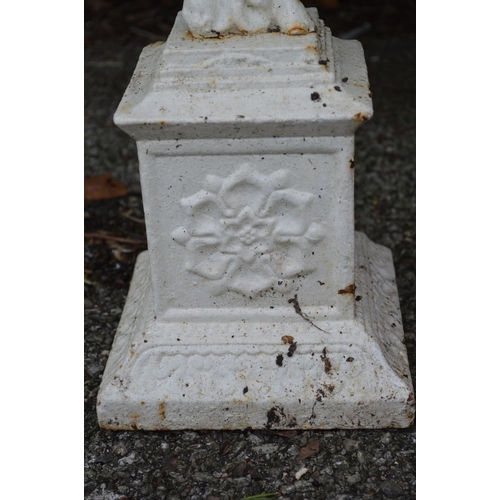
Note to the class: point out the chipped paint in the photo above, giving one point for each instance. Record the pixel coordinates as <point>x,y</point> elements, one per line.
<point>361,117</point>
<point>348,290</point>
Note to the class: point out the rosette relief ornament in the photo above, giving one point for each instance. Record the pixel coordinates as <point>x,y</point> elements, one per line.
<point>248,232</point>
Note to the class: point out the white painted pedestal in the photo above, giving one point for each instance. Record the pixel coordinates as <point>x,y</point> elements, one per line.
<point>257,305</point>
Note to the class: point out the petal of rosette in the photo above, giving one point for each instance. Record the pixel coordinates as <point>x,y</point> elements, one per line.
<point>247,279</point>
<point>248,188</point>
<point>249,283</point>
<point>203,202</point>
<point>213,183</point>
<point>315,233</point>
<point>290,209</point>
<point>264,228</point>
<point>288,262</point>
<point>203,226</point>
<point>203,244</point>
<point>244,188</point>
<point>212,267</point>
<point>205,258</point>
<point>205,210</point>
<point>181,235</point>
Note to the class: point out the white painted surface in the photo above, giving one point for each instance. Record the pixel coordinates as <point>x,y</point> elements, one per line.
<point>310,374</point>
<point>256,305</point>
<point>213,18</point>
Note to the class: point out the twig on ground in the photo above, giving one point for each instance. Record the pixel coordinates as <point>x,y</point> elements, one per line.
<point>132,218</point>
<point>118,239</point>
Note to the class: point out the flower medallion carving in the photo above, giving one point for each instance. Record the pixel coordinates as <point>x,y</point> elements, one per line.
<point>249,231</point>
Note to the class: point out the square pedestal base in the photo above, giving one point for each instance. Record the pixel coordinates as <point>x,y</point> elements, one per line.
<point>308,374</point>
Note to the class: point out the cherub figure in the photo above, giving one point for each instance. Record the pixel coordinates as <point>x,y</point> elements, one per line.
<point>213,18</point>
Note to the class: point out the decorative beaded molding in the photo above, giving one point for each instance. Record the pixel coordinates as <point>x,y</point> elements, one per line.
<point>177,373</point>
<point>248,232</point>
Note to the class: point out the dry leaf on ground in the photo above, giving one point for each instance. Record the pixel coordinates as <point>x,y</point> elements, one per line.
<point>286,434</point>
<point>309,449</point>
<point>103,187</point>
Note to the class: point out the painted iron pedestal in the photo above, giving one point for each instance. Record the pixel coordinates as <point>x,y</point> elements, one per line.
<point>257,305</point>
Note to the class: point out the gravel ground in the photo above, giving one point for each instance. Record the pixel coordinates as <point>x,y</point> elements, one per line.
<point>342,465</point>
